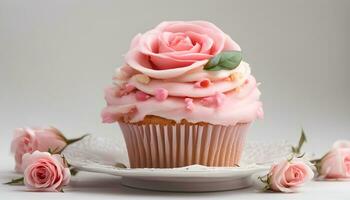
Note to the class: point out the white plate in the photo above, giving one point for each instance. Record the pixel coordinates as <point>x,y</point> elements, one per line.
<point>97,154</point>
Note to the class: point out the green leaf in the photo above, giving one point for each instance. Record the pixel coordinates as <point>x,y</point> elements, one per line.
<point>226,60</point>
<point>71,141</point>
<point>73,171</point>
<point>296,150</point>
<point>263,179</point>
<point>119,165</point>
<point>215,68</point>
<point>18,181</point>
<point>302,155</point>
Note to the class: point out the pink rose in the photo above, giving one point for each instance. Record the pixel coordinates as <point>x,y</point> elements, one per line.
<point>45,172</point>
<point>335,164</point>
<point>286,175</point>
<point>27,140</point>
<point>175,47</point>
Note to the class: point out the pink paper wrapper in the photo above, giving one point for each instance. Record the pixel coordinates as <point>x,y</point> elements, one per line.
<point>168,146</point>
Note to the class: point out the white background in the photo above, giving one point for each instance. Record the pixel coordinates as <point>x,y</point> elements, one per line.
<point>56,57</point>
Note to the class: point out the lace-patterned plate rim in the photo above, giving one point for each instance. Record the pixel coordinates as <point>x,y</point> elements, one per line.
<point>100,154</point>
<point>193,171</point>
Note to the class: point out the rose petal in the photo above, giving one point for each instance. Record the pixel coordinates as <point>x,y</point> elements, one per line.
<point>140,63</point>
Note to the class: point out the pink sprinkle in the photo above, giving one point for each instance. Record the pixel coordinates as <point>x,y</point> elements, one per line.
<point>114,91</point>
<point>132,111</point>
<point>141,96</point>
<point>217,100</point>
<point>110,116</point>
<point>161,94</point>
<point>129,88</point>
<point>125,89</point>
<point>203,83</point>
<point>127,69</point>
<point>207,101</point>
<point>107,118</point>
<point>246,81</point>
<point>189,104</point>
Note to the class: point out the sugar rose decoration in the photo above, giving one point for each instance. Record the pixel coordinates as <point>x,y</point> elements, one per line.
<point>45,172</point>
<point>287,175</point>
<point>177,47</point>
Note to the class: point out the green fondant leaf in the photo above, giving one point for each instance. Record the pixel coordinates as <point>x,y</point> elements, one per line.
<point>226,60</point>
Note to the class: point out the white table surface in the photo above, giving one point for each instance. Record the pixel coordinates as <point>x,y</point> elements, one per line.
<point>99,186</point>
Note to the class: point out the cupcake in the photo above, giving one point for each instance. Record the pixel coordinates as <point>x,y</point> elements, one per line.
<point>184,96</point>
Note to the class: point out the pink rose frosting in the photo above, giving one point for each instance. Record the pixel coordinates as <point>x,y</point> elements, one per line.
<point>287,175</point>
<point>164,76</point>
<point>45,172</point>
<point>173,48</point>
<point>28,140</point>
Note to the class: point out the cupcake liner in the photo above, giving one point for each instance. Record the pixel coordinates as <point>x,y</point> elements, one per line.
<point>168,146</point>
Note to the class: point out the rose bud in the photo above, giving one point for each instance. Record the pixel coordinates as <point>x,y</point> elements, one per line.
<point>28,140</point>
<point>335,164</point>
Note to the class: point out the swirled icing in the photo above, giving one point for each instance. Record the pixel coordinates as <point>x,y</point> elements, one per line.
<point>238,102</point>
